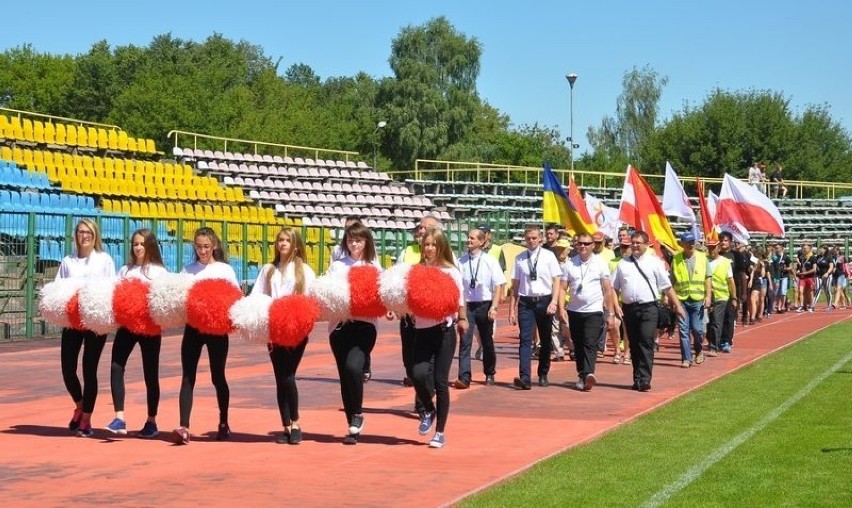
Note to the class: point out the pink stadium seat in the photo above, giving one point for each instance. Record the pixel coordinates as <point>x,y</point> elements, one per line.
<point>280,209</point>
<point>258,158</point>
<point>288,184</point>
<point>445,216</point>
<point>398,213</point>
<point>345,210</point>
<point>297,185</point>
<point>177,151</point>
<point>408,201</point>
<point>354,174</point>
<point>309,162</point>
<point>385,212</point>
<point>334,173</point>
<point>381,224</point>
<point>267,159</point>
<point>351,164</point>
<point>203,165</point>
<point>239,180</point>
<point>326,186</point>
<point>239,157</point>
<point>363,165</point>
<point>196,153</point>
<point>253,194</point>
<point>313,172</point>
<point>347,187</point>
<point>228,180</point>
<point>306,221</point>
<point>278,184</point>
<point>288,160</point>
<point>265,195</point>
<point>345,174</point>
<point>310,209</point>
<point>303,172</point>
<point>218,154</point>
<point>319,162</point>
<point>278,160</point>
<point>229,156</point>
<point>323,173</point>
<point>299,161</point>
<point>371,223</point>
<point>337,187</point>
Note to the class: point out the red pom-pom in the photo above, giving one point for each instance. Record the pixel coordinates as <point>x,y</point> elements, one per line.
<point>208,303</point>
<point>291,320</point>
<point>364,292</point>
<point>130,306</point>
<point>72,310</point>
<point>432,293</point>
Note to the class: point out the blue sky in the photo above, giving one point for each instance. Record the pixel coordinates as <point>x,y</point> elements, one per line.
<point>798,48</point>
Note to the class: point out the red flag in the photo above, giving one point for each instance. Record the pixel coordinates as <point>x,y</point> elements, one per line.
<point>575,199</point>
<point>707,225</point>
<point>641,209</point>
<point>743,204</point>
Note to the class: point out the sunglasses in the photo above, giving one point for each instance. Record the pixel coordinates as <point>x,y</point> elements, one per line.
<point>584,244</point>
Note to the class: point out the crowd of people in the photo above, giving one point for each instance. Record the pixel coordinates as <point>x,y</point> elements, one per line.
<point>570,297</point>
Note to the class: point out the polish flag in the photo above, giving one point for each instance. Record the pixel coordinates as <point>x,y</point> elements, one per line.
<point>641,209</point>
<point>707,225</point>
<point>675,201</point>
<point>743,204</point>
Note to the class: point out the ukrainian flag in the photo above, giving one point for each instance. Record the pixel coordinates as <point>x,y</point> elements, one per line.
<point>559,209</point>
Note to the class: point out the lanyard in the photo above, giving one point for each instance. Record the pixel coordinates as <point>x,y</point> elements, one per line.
<point>474,275</point>
<point>533,267</point>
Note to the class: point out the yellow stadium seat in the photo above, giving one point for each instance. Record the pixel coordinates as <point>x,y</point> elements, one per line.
<point>92,137</point>
<point>112,139</point>
<point>3,123</point>
<point>47,156</point>
<point>88,163</point>
<point>50,133</point>
<point>61,134</point>
<point>27,128</point>
<point>150,147</point>
<point>5,153</point>
<point>53,174</point>
<point>38,131</point>
<point>131,144</point>
<point>98,165</point>
<point>106,205</point>
<point>38,159</point>
<point>18,155</point>
<point>141,146</point>
<point>71,135</point>
<point>82,136</point>
<point>122,141</point>
<point>103,138</point>
<point>16,131</point>
<point>143,209</point>
<point>28,158</point>
<point>135,209</point>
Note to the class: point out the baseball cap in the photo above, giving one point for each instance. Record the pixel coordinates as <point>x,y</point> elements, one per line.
<point>562,243</point>
<point>687,237</point>
<point>598,236</point>
<point>484,227</point>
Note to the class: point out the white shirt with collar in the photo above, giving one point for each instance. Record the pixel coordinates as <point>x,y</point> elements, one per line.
<point>632,286</point>
<point>484,271</point>
<point>214,270</point>
<point>281,284</point>
<point>546,267</point>
<point>147,273</point>
<point>98,264</point>
<point>584,279</point>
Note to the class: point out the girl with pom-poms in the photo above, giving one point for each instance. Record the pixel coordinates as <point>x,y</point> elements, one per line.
<point>88,262</point>
<point>145,264</point>
<point>288,274</point>
<point>211,263</point>
<point>435,337</point>
<point>352,341</point>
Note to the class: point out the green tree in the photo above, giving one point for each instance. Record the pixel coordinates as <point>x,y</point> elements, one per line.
<point>35,81</point>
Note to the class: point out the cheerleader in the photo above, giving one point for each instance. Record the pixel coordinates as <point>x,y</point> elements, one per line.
<point>88,261</point>
<point>288,274</point>
<point>146,263</point>
<point>435,342</point>
<point>210,263</point>
<point>352,341</point>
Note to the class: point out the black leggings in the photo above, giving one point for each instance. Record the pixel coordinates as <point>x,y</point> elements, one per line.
<point>435,345</point>
<point>122,346</point>
<point>351,343</point>
<point>217,354</point>
<point>92,346</point>
<point>284,363</point>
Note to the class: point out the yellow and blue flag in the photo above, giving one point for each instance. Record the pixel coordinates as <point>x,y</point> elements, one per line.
<point>559,209</point>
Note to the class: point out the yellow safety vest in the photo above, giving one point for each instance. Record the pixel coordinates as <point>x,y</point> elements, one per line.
<point>688,288</point>
<point>411,254</point>
<point>720,280</point>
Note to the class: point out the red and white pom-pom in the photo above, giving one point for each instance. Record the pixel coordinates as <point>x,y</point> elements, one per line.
<point>432,293</point>
<point>167,299</point>
<point>96,306</point>
<point>55,297</point>
<point>250,316</point>
<point>365,300</point>
<point>291,320</point>
<point>208,304</point>
<point>130,305</point>
<point>393,290</point>
<point>331,291</point>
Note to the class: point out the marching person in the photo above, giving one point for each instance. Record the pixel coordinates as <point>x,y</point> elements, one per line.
<point>89,262</point>
<point>483,282</point>
<point>724,292</point>
<point>730,321</point>
<point>211,262</point>
<point>535,300</point>
<point>640,279</point>
<point>435,343</point>
<point>590,307</point>
<point>352,341</point>
<point>693,286</point>
<point>288,274</point>
<point>145,263</point>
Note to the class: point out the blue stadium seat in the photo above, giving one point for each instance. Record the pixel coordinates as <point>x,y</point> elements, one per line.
<point>55,200</point>
<point>5,200</point>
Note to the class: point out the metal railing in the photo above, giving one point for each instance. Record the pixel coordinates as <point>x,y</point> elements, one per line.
<point>254,145</point>
<point>20,113</point>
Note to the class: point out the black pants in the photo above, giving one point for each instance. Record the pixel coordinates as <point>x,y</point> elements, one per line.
<point>351,343</point>
<point>122,346</point>
<point>407,336</point>
<point>434,348</point>
<point>641,323</point>
<point>69,351</point>
<point>728,325</point>
<point>585,333</point>
<point>716,323</point>
<point>284,363</point>
<point>217,354</point>
<point>477,315</point>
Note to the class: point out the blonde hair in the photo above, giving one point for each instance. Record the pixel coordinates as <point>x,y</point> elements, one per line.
<point>297,256</point>
<point>444,254</point>
<point>96,234</point>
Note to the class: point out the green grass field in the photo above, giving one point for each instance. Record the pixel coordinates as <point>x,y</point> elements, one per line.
<point>777,433</point>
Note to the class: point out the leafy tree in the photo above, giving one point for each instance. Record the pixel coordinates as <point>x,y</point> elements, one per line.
<point>33,81</point>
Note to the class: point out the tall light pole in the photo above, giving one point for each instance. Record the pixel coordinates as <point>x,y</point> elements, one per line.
<point>571,79</point>
<point>380,125</point>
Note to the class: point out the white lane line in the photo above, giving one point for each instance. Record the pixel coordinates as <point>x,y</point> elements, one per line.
<point>692,474</point>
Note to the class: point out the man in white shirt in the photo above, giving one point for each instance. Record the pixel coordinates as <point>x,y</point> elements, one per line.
<point>639,280</point>
<point>535,300</point>
<point>586,276</point>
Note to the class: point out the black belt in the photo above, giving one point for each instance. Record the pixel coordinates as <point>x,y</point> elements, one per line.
<point>534,299</point>
<point>476,305</point>
<point>639,305</point>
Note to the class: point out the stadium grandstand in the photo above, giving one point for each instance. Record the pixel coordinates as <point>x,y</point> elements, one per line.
<point>55,171</point>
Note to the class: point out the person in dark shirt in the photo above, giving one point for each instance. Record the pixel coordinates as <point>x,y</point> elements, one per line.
<point>807,278</point>
<point>824,272</point>
<point>781,268</point>
<point>841,272</point>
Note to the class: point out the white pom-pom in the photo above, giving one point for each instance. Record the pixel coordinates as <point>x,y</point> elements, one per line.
<point>96,306</point>
<point>332,293</point>
<point>167,299</point>
<point>250,316</point>
<point>55,297</point>
<point>392,288</point>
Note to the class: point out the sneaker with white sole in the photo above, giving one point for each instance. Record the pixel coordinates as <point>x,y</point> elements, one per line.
<point>437,441</point>
<point>149,430</point>
<point>426,422</point>
<point>356,424</point>
<point>117,426</point>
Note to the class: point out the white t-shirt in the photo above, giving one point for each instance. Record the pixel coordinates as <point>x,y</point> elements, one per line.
<point>343,265</point>
<point>95,265</point>
<point>632,286</point>
<point>215,270</point>
<point>584,281</point>
<point>486,274</point>
<point>545,266</point>
<point>149,273</point>
<point>715,262</point>
<point>422,322</point>
<point>281,284</point>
